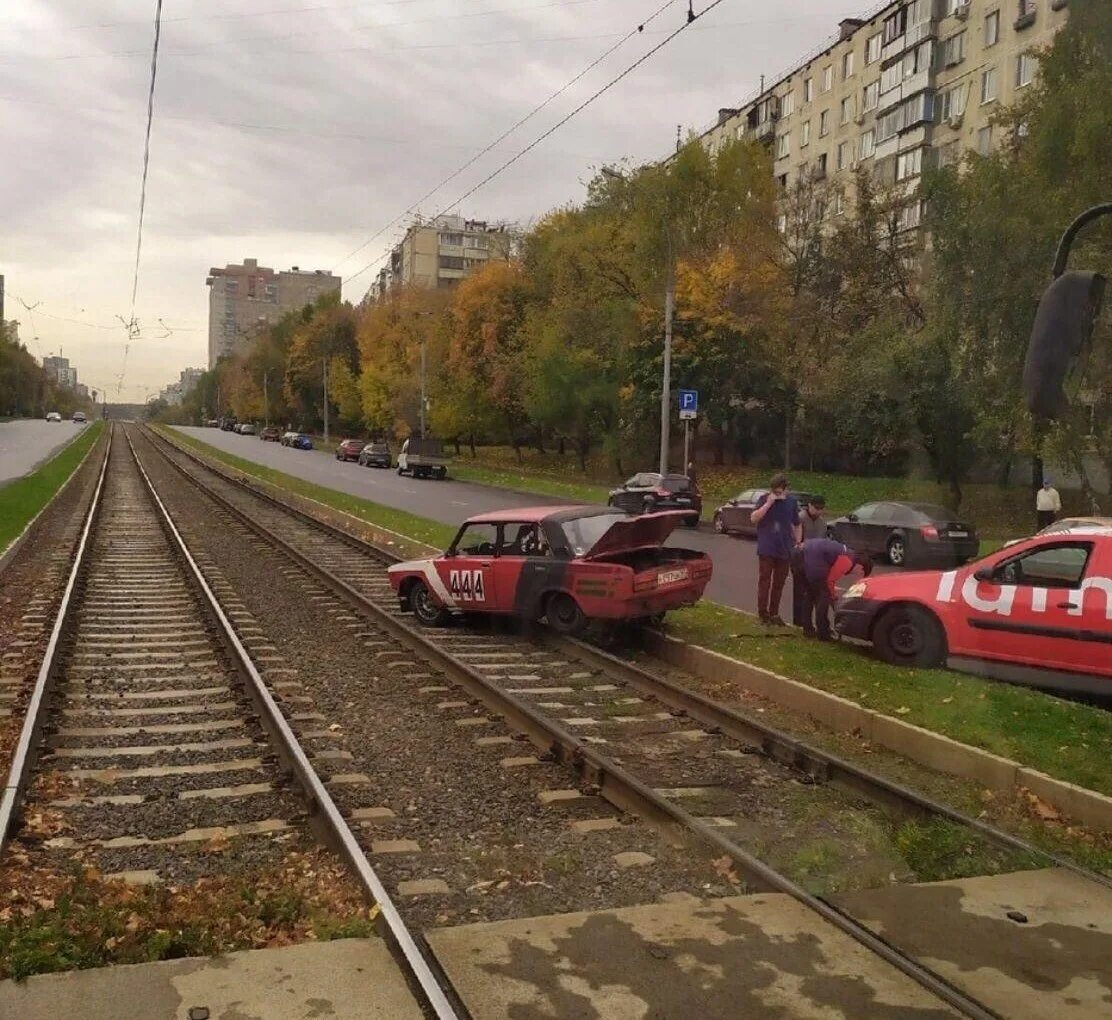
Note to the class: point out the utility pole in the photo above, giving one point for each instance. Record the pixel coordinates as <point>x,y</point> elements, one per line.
<point>666,382</point>
<point>324,364</point>
<point>266,398</point>
<point>423,386</point>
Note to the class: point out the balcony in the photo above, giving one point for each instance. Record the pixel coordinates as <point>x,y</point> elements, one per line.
<point>1025,20</point>
<point>765,131</point>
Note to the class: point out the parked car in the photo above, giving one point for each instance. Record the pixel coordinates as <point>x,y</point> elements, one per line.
<point>349,449</point>
<point>301,441</point>
<point>288,438</point>
<point>568,564</point>
<point>270,434</point>
<point>79,417</point>
<point>907,533</point>
<point>53,416</point>
<point>246,429</point>
<point>649,492</point>
<point>227,424</point>
<point>1035,613</point>
<point>423,458</point>
<point>375,455</point>
<point>735,517</point>
<point>212,423</point>
<point>1068,524</point>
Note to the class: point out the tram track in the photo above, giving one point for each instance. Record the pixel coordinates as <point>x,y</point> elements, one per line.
<point>595,713</point>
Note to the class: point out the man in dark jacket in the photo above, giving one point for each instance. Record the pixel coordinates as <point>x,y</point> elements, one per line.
<point>822,562</point>
<point>776,517</point>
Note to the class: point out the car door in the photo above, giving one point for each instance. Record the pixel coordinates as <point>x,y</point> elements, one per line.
<point>753,497</point>
<point>632,495</point>
<point>852,530</point>
<point>1036,606</point>
<point>468,573</point>
<point>525,569</point>
<point>735,514</point>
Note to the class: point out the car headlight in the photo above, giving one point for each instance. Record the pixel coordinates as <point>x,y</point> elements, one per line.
<point>856,591</point>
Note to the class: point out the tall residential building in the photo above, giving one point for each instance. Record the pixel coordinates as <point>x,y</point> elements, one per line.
<point>914,83</point>
<point>242,298</point>
<point>59,369</point>
<point>176,392</point>
<point>441,252</point>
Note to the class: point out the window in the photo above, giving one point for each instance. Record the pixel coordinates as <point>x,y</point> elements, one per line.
<point>845,155</point>
<point>523,540</point>
<point>805,134</point>
<point>808,89</point>
<point>949,154</point>
<point>782,226</point>
<point>782,180</point>
<point>872,49</point>
<point>478,241</point>
<point>847,65</point>
<point>909,164</point>
<point>992,28</point>
<point>1024,69</point>
<point>895,25</point>
<point>868,144</point>
<point>477,540</point>
<point>909,113</point>
<point>951,103</point>
<point>1027,7</point>
<point>847,109</point>
<point>872,96</point>
<point>827,79</point>
<point>451,262</point>
<point>455,240</point>
<point>910,216</point>
<point>953,50</point>
<point>824,123</point>
<point>984,140</point>
<point>1053,566</point>
<point>950,7</point>
<point>988,85</point>
<point>839,203</point>
<point>821,164</point>
<point>787,105</point>
<point>781,145</point>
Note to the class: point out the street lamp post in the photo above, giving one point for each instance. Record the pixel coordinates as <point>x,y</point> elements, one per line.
<point>266,398</point>
<point>423,371</point>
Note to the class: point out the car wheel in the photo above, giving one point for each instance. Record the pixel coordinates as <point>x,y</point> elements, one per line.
<point>909,636</point>
<point>719,525</point>
<point>428,613</point>
<point>400,472</point>
<point>897,551</point>
<point>692,521</point>
<point>441,473</point>
<point>564,615</point>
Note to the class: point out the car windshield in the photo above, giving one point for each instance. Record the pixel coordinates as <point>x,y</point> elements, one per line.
<point>675,483</point>
<point>583,532</point>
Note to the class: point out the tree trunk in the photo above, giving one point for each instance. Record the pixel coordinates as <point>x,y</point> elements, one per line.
<point>539,441</point>
<point>561,448</point>
<point>955,492</point>
<point>582,448</point>
<point>719,446</point>
<point>788,423</point>
<point>471,441</point>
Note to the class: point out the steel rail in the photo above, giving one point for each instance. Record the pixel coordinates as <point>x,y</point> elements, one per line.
<point>822,765</point>
<point>322,806</point>
<point>611,780</point>
<point>30,734</point>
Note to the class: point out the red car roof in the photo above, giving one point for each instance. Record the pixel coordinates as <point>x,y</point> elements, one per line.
<point>533,514</point>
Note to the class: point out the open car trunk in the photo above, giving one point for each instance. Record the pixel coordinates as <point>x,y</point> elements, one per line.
<point>647,559</point>
<point>628,535</point>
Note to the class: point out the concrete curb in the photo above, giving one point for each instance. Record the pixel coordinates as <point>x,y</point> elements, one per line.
<point>923,746</point>
<point>13,547</point>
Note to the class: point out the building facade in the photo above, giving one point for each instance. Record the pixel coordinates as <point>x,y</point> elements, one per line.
<point>441,252</point>
<point>60,370</point>
<point>914,84</point>
<point>176,392</point>
<point>245,297</point>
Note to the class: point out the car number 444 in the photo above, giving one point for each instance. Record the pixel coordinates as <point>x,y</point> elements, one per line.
<point>668,576</point>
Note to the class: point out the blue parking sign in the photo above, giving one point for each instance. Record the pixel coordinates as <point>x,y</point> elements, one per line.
<point>689,403</point>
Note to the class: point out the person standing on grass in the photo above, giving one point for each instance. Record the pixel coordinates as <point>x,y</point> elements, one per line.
<point>778,533</point>
<point>822,562</point>
<point>812,524</point>
<point>1048,504</point>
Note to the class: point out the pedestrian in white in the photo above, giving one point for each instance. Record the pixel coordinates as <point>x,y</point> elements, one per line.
<point>1048,504</point>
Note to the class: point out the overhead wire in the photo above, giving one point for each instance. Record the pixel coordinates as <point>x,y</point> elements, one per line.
<point>509,131</point>
<point>692,16</point>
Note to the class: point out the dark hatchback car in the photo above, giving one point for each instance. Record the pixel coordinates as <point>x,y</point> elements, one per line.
<point>736,516</point>
<point>349,449</point>
<point>271,434</point>
<point>649,491</point>
<point>375,455</point>
<point>908,533</point>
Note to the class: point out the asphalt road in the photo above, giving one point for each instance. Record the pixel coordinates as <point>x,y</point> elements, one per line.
<point>27,442</point>
<point>735,559</point>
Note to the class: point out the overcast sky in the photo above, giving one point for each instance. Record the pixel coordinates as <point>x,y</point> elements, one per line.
<point>292,130</point>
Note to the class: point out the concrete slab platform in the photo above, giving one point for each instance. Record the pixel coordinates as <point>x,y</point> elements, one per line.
<point>762,956</point>
<point>1054,959</point>
<point>350,979</point>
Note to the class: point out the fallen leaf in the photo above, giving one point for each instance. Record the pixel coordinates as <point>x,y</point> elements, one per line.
<point>946,701</point>
<point>902,710</point>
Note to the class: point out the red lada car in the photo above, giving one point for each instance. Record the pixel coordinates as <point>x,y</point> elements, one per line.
<point>1037,612</point>
<point>569,564</point>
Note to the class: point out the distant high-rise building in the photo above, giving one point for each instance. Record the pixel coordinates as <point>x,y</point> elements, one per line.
<point>441,252</point>
<point>59,369</point>
<point>245,297</point>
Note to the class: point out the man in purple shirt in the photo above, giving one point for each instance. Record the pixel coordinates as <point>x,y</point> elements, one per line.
<point>778,533</point>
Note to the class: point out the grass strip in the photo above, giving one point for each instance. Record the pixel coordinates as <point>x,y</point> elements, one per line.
<point>24,497</point>
<point>1064,739</point>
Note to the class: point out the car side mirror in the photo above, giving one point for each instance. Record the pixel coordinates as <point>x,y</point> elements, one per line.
<point>985,574</point>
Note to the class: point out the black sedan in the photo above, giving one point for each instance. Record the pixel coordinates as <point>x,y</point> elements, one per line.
<point>736,516</point>
<point>649,491</point>
<point>908,533</point>
<point>375,455</point>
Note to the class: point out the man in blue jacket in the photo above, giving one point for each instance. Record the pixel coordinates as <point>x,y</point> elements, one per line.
<point>821,562</point>
<point>778,533</point>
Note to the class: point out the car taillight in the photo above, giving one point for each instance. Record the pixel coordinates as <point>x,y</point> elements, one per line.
<point>929,532</point>
<point>644,583</point>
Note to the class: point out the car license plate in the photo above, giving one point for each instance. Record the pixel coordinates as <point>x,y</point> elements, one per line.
<point>668,576</point>
<point>959,534</point>
<point>683,499</point>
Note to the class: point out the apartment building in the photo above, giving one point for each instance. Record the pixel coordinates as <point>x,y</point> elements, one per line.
<point>176,392</point>
<point>441,252</point>
<point>60,370</point>
<point>245,297</point>
<point>914,83</point>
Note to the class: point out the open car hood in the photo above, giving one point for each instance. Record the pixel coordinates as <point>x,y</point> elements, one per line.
<point>645,532</point>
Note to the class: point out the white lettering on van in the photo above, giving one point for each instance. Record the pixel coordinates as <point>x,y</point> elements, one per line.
<point>1038,600</point>
<point>946,586</point>
<point>1001,603</point>
<point>1103,584</point>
